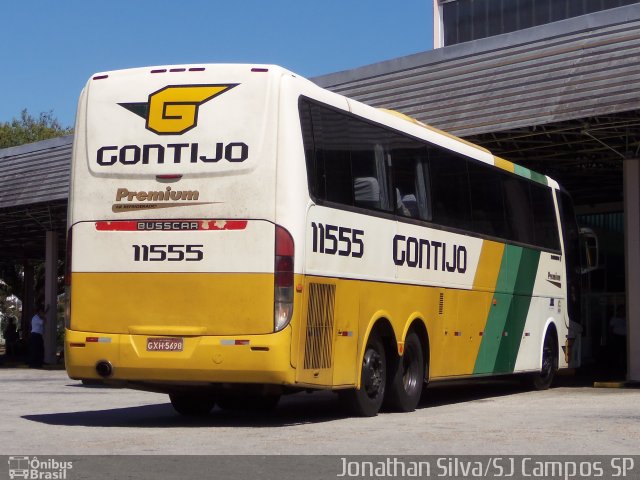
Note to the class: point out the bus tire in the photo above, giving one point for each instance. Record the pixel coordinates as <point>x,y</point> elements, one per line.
<point>406,380</point>
<point>192,404</point>
<point>367,400</point>
<point>543,379</point>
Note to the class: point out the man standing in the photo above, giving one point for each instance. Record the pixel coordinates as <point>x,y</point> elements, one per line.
<point>36,340</point>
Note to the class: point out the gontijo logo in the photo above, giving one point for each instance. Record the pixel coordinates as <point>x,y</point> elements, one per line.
<point>173,110</point>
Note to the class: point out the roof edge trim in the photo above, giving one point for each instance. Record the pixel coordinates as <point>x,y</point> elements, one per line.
<point>36,146</point>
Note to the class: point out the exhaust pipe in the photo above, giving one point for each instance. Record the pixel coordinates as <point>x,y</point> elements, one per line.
<point>104,368</point>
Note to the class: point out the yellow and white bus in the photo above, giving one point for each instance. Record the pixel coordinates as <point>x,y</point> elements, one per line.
<point>237,232</point>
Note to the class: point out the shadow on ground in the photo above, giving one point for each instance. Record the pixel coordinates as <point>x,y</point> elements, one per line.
<point>301,408</point>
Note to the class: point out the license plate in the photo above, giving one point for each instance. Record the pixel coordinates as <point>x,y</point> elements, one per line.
<point>164,344</point>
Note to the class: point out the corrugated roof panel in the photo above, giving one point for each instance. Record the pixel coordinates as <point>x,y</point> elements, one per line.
<point>551,73</point>
<point>35,173</point>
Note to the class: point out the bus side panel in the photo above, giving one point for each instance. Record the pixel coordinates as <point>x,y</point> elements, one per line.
<point>473,311</point>
<point>547,306</point>
<point>510,306</point>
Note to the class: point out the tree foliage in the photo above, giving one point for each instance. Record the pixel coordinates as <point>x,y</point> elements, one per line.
<point>28,129</point>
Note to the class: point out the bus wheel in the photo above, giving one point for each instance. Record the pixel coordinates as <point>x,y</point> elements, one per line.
<point>542,380</point>
<point>367,400</point>
<point>192,404</point>
<point>407,379</point>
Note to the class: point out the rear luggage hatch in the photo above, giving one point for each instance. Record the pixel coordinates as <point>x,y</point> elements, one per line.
<point>205,277</point>
<point>173,201</point>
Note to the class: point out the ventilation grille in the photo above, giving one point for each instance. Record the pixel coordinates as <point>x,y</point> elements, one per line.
<point>318,347</point>
<point>441,304</point>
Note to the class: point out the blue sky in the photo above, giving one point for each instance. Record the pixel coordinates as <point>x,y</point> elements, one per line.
<point>50,48</point>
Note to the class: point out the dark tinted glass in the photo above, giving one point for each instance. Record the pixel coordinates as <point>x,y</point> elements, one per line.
<point>544,219</point>
<point>354,163</point>
<point>410,173</point>
<point>518,209</point>
<point>525,14</point>
<point>571,236</point>
<point>541,12</point>
<point>479,9</point>
<point>450,23</point>
<point>465,20</point>
<point>328,158</point>
<point>449,188</point>
<point>487,206</point>
<point>345,158</point>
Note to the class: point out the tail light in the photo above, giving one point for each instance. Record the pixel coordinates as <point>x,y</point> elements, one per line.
<point>283,279</point>
<point>67,281</point>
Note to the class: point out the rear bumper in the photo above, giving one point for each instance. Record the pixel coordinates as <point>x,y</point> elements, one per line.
<point>209,359</point>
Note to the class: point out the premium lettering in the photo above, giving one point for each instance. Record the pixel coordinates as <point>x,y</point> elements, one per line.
<point>165,195</point>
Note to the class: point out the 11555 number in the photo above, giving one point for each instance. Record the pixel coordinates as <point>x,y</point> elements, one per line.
<point>168,253</point>
<point>332,239</point>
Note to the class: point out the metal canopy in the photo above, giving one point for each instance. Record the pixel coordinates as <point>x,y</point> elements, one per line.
<point>584,155</point>
<point>34,188</point>
<point>24,231</point>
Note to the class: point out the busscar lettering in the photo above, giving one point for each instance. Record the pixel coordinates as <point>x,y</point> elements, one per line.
<point>176,153</point>
<point>167,226</point>
<point>429,254</point>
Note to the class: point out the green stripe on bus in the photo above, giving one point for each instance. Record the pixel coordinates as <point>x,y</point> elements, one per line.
<point>495,325</point>
<point>522,171</point>
<point>505,323</point>
<point>535,176</point>
<point>538,177</point>
<point>518,311</point>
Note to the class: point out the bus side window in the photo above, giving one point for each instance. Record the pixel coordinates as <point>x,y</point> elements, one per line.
<point>544,219</point>
<point>369,178</point>
<point>408,166</point>
<point>367,192</point>
<point>345,158</point>
<point>423,189</point>
<point>518,209</point>
<point>449,189</point>
<point>487,205</point>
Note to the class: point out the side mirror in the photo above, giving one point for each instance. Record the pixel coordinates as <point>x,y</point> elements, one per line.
<point>588,250</point>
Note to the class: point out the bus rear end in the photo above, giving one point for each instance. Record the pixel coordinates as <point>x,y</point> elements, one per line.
<point>177,272</point>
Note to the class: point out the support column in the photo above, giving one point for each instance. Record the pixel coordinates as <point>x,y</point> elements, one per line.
<point>28,300</point>
<point>51,297</point>
<point>631,179</point>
